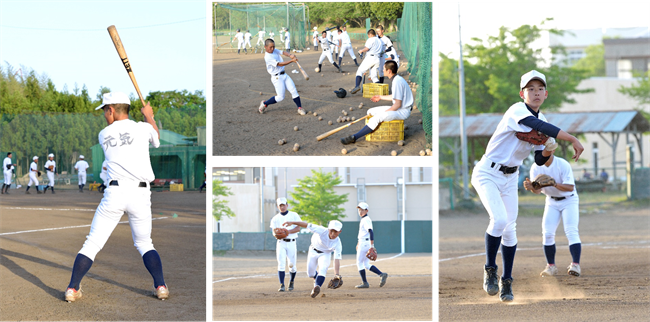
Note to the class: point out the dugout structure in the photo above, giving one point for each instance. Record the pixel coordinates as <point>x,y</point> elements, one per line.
<point>272,17</point>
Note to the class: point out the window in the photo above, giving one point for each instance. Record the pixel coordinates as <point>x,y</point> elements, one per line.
<point>231,175</point>
<point>624,68</point>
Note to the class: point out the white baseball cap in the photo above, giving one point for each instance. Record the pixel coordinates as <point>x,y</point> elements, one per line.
<point>335,224</point>
<point>35,158</point>
<point>282,201</point>
<point>114,98</point>
<point>533,74</point>
<point>363,205</point>
<point>315,28</point>
<point>51,155</point>
<point>81,157</point>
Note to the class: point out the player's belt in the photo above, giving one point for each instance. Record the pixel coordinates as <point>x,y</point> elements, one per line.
<point>115,183</point>
<point>288,240</point>
<point>410,108</point>
<point>364,238</point>
<point>504,169</point>
<point>316,250</point>
<point>560,198</point>
<point>280,73</point>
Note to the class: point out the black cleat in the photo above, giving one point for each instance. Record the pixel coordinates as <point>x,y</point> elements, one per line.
<point>348,139</point>
<point>490,280</point>
<point>291,286</point>
<point>506,290</point>
<point>281,289</point>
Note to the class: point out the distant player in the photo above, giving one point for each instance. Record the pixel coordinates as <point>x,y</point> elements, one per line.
<point>327,53</point>
<point>346,45</point>
<point>240,41</point>
<point>205,182</point>
<point>33,175</point>
<point>285,248</point>
<point>104,176</point>
<point>247,40</point>
<point>387,48</point>
<point>315,38</point>
<point>50,169</point>
<point>366,240</point>
<point>8,171</point>
<point>337,42</point>
<point>260,37</point>
<point>81,166</point>
<point>287,40</point>
<point>281,81</point>
<point>370,63</point>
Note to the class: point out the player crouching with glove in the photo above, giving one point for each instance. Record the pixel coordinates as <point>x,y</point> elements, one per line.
<point>400,110</point>
<point>555,180</point>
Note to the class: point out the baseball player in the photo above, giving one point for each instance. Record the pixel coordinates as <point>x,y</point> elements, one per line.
<point>272,37</point>
<point>330,39</point>
<point>386,50</point>
<point>7,170</point>
<point>402,99</point>
<point>81,166</point>
<point>337,42</point>
<point>371,62</point>
<point>247,40</point>
<point>50,169</point>
<point>260,37</point>
<point>315,38</point>
<point>281,34</point>
<point>286,247</point>
<point>240,42</point>
<point>281,81</point>
<point>327,53</point>
<point>561,203</point>
<point>495,176</point>
<point>287,40</point>
<point>126,147</point>
<point>33,175</point>
<point>346,45</point>
<point>366,241</point>
<point>324,242</point>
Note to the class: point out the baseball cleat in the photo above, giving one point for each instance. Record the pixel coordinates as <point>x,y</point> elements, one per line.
<point>281,289</point>
<point>315,291</point>
<point>384,277</point>
<point>291,286</point>
<point>355,90</point>
<point>550,270</point>
<point>348,139</point>
<point>28,193</point>
<point>301,111</point>
<point>506,290</point>
<point>490,280</point>
<point>574,269</point>
<point>162,292</point>
<point>363,285</point>
<point>262,107</point>
<point>72,295</point>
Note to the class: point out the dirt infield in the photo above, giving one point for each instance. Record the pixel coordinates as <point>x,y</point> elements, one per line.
<point>615,263</point>
<point>245,287</point>
<point>239,129</point>
<point>35,266</point>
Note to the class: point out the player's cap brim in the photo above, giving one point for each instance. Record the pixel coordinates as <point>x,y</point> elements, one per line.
<point>532,75</point>
<point>114,98</point>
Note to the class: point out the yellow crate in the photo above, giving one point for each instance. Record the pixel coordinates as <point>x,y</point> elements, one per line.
<point>392,131</point>
<point>94,186</point>
<point>176,187</point>
<point>372,89</point>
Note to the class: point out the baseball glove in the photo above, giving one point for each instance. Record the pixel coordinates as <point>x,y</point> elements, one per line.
<point>38,173</point>
<point>280,233</point>
<point>336,282</point>
<point>543,180</point>
<point>533,137</point>
<point>372,254</point>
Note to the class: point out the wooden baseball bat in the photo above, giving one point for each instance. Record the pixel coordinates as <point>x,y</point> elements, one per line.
<point>324,135</point>
<point>303,71</point>
<point>125,60</point>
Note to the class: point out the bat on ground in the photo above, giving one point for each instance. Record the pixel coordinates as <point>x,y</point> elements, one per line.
<point>303,71</point>
<point>324,135</point>
<point>125,60</point>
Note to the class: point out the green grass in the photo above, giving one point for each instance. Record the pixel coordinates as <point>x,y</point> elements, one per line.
<point>218,253</point>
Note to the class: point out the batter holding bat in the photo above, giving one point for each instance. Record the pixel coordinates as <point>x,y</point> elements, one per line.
<point>285,248</point>
<point>281,81</point>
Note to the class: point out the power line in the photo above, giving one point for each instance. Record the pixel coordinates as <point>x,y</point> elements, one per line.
<point>121,28</point>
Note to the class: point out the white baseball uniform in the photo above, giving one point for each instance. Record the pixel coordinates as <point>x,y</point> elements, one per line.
<point>335,39</point>
<point>260,37</point>
<point>33,177</point>
<point>382,57</point>
<point>240,40</point>
<point>7,170</point>
<point>329,36</point>
<point>364,243</point>
<point>104,173</point>
<point>281,81</point>
<point>327,53</point>
<point>371,58</point>
<point>401,91</point>
<point>286,248</point>
<point>287,40</point>
<point>315,38</point>
<point>247,39</point>
<point>321,249</point>
<point>346,45</point>
<point>282,35</point>
<point>81,167</point>
<point>272,36</point>
<point>50,173</point>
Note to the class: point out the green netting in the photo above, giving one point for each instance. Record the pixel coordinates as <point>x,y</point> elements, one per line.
<point>368,26</point>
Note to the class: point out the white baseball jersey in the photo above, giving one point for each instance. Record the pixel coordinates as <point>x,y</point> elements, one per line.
<point>124,143</point>
<point>327,53</point>
<point>364,243</point>
<point>287,36</point>
<point>375,45</point>
<point>272,35</point>
<point>328,35</point>
<point>364,225</point>
<point>50,163</point>
<point>279,219</point>
<point>388,44</point>
<point>239,36</point>
<point>321,241</point>
<point>402,91</point>
<point>81,166</point>
<point>248,36</point>
<point>560,170</point>
<point>345,38</point>
<point>315,35</point>
<point>33,179</point>
<point>335,38</point>
<point>261,33</point>
<point>7,161</point>
<point>33,167</point>
<point>104,173</point>
<point>272,61</point>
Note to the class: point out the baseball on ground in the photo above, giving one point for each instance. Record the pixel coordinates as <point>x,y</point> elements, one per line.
<point>420,121</point>
<point>329,122</point>
<point>320,118</point>
<point>280,142</point>
<point>315,114</point>
<point>344,151</point>
<point>422,153</point>
<point>295,128</point>
<point>393,153</point>
<point>351,109</point>
<point>400,142</point>
<point>428,151</point>
<point>317,69</point>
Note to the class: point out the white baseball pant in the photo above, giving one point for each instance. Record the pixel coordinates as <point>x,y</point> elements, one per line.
<point>82,177</point>
<point>283,83</point>
<point>240,45</point>
<point>260,41</point>
<point>315,42</point>
<point>347,48</point>
<point>316,261</point>
<point>380,69</point>
<point>50,177</point>
<point>379,114</point>
<point>287,46</point>
<point>567,210</point>
<point>326,54</point>
<point>247,42</point>
<point>363,262</point>
<point>371,63</point>
<point>283,251</point>
<point>8,175</point>
<point>32,179</point>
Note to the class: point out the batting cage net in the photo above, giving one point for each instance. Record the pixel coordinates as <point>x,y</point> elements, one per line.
<point>413,38</point>
<point>273,18</point>
<point>180,158</point>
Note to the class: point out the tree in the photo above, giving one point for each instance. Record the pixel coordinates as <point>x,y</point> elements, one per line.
<point>640,92</point>
<point>314,198</point>
<point>219,207</point>
<point>593,62</point>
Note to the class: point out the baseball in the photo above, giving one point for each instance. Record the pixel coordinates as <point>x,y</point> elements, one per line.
<point>351,109</point>
<point>420,121</point>
<point>347,119</point>
<point>329,122</point>
<point>280,142</point>
<point>360,104</point>
<point>296,148</point>
<point>315,114</point>
<point>345,113</point>
<point>428,151</point>
<point>290,265</point>
<point>322,75</point>
<point>344,151</point>
<point>295,128</point>
<point>317,69</point>
<point>353,118</point>
<point>348,73</point>
<point>260,93</point>
<point>393,153</point>
<point>320,118</point>
<point>422,153</point>
<point>400,142</point>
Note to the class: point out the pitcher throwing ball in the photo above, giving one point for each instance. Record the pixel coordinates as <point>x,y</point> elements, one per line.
<point>281,81</point>
<point>126,147</point>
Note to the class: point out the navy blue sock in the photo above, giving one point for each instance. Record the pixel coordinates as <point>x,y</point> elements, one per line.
<point>270,101</point>
<point>365,130</point>
<point>81,266</point>
<point>153,264</point>
<point>363,275</point>
<point>355,61</point>
<point>28,188</point>
<point>281,276</point>
<point>375,270</point>
<point>508,256</point>
<point>549,251</point>
<point>320,66</point>
<point>340,59</point>
<point>238,50</point>
<point>358,81</point>
<point>320,280</point>
<point>293,276</point>
<point>335,65</point>
<point>297,101</point>
<point>575,250</point>
<point>491,248</point>
<point>315,276</point>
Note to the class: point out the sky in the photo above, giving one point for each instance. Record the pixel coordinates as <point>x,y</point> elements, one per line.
<point>483,19</point>
<point>68,41</point>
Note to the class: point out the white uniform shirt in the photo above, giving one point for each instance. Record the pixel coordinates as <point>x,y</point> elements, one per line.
<point>272,61</point>
<point>279,219</point>
<point>504,147</point>
<point>6,162</point>
<point>33,167</point>
<point>364,225</point>
<point>49,163</point>
<point>375,45</point>
<point>248,36</point>
<point>322,242</point>
<point>261,33</point>
<point>287,37</point>
<point>81,166</point>
<point>126,147</point>
<point>104,173</point>
<point>345,38</point>
<point>560,170</point>
<point>315,36</point>
<point>335,38</point>
<point>324,43</point>
<point>239,36</point>
<point>328,35</point>
<point>388,44</point>
<point>402,91</point>
<point>271,34</point>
